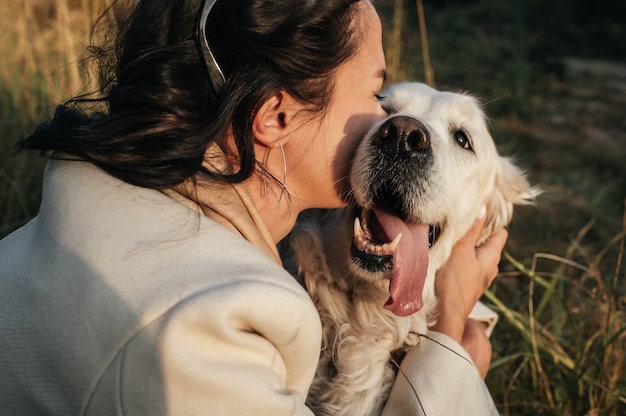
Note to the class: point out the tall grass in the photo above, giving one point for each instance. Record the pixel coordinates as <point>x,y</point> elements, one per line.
<point>43,44</point>
<point>562,346</point>
<point>559,348</point>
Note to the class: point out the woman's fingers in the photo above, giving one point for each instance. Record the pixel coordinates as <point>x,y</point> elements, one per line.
<point>478,346</point>
<point>469,271</point>
<point>473,235</point>
<point>489,253</point>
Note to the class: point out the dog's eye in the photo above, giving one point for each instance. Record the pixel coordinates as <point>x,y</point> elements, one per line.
<point>461,139</point>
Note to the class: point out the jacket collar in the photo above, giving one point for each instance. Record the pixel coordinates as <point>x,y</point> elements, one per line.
<point>227,204</point>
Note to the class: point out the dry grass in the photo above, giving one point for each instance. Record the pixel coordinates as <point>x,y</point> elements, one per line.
<point>565,324</point>
<point>43,44</point>
<point>48,40</point>
<point>560,346</point>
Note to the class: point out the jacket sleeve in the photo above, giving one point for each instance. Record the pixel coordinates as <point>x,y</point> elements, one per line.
<point>438,377</point>
<point>247,348</point>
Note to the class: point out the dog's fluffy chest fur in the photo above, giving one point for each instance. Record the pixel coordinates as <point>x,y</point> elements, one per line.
<point>359,337</point>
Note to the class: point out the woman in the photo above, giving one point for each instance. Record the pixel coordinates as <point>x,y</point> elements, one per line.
<point>150,283</point>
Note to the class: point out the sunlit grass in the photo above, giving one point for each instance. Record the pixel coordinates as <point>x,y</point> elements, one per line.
<point>560,345</point>
<point>43,44</point>
<point>566,332</point>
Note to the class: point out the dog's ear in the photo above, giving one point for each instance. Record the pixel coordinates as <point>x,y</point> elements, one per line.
<point>511,188</point>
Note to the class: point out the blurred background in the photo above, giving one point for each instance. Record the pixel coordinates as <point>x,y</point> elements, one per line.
<point>552,79</point>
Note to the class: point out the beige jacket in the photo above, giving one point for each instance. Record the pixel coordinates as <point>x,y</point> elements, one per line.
<point>118,300</point>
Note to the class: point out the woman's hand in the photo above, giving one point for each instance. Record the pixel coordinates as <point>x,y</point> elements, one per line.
<point>476,342</point>
<point>461,282</point>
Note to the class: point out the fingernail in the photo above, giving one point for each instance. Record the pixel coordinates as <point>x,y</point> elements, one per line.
<point>482,212</point>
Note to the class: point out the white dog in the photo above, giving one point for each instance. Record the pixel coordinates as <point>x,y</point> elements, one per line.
<point>419,180</point>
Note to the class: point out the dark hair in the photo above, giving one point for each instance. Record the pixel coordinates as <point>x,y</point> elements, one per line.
<point>159,119</point>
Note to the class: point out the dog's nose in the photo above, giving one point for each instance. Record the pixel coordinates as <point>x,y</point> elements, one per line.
<point>403,137</point>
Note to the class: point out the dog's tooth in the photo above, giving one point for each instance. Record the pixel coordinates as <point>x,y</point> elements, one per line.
<point>358,231</point>
<point>361,243</point>
<point>394,244</point>
<point>364,225</point>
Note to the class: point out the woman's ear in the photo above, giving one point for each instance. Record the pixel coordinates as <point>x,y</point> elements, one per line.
<point>273,120</point>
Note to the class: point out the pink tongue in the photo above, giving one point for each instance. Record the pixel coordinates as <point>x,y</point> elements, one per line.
<point>410,263</point>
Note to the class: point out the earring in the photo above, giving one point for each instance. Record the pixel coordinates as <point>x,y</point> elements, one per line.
<point>283,187</point>
<point>264,174</point>
<point>283,184</point>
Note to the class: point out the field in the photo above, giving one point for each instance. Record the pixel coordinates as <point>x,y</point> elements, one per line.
<point>42,43</point>
<point>555,101</point>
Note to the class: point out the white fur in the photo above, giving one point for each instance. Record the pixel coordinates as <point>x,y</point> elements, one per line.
<point>355,371</point>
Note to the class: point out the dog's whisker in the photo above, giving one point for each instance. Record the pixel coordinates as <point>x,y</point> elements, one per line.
<point>493,100</point>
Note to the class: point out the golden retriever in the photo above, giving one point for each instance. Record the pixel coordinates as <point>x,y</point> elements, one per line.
<point>419,179</point>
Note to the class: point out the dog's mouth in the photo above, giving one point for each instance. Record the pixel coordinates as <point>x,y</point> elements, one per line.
<point>376,251</point>
<point>384,241</point>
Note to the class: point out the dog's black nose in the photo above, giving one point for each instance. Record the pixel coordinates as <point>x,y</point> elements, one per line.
<point>403,137</point>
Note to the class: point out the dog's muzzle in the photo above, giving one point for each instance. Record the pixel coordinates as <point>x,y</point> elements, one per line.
<point>402,137</point>
<point>401,154</point>
<point>389,237</point>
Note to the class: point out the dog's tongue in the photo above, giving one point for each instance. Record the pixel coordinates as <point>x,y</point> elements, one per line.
<point>410,263</point>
